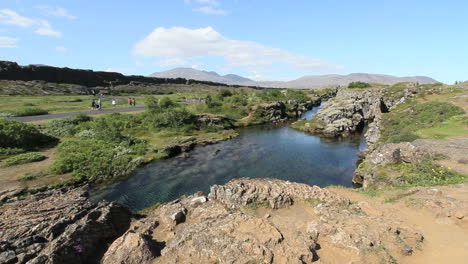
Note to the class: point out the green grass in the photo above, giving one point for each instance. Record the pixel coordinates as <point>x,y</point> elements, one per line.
<point>28,111</point>
<point>400,124</point>
<point>55,103</point>
<point>456,126</point>
<point>24,158</point>
<point>308,125</point>
<point>426,173</point>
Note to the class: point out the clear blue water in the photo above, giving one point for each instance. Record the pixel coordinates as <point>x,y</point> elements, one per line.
<point>259,152</point>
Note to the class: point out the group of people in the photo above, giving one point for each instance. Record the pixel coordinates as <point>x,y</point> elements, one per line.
<point>131,102</point>
<point>97,104</point>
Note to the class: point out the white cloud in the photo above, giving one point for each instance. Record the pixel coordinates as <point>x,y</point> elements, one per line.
<point>207,2</point>
<point>46,30</point>
<point>10,17</point>
<point>209,7</point>
<point>185,43</point>
<point>172,62</point>
<point>6,42</point>
<point>210,10</point>
<point>41,26</point>
<point>56,11</point>
<point>61,49</point>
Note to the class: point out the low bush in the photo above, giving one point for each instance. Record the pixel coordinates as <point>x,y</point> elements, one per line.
<point>297,95</point>
<point>358,84</point>
<point>5,152</point>
<point>91,158</point>
<point>14,134</point>
<point>171,118</point>
<point>24,158</point>
<point>66,127</point>
<point>29,111</point>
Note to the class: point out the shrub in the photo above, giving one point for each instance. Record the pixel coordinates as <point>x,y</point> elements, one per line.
<point>358,84</point>
<point>92,158</point>
<point>170,119</point>
<point>29,111</point>
<point>66,127</point>
<point>297,95</point>
<point>24,158</point>
<point>166,102</point>
<point>105,129</point>
<point>5,152</point>
<point>14,134</point>
<point>224,93</point>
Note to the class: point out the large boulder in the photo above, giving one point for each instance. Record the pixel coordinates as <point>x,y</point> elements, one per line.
<point>59,226</point>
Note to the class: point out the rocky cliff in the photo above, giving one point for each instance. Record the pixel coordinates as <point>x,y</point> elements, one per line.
<point>13,71</point>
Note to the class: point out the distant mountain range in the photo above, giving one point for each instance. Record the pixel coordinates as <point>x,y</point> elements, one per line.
<point>194,74</point>
<point>308,81</point>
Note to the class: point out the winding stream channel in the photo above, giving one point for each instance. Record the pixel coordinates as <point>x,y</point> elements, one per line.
<point>258,152</point>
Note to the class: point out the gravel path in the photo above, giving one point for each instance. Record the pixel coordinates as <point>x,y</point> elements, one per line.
<point>62,115</point>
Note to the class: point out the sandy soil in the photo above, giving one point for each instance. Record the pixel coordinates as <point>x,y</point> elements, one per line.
<point>434,212</point>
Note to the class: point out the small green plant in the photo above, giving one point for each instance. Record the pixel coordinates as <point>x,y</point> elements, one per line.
<point>256,205</point>
<point>314,202</point>
<point>33,176</point>
<point>149,209</point>
<point>24,158</point>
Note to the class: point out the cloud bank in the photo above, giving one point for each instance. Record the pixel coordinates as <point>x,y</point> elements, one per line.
<point>176,44</point>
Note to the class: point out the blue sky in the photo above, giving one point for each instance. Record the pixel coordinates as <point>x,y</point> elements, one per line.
<point>265,40</point>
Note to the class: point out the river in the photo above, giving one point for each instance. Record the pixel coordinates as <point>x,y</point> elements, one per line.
<point>270,151</point>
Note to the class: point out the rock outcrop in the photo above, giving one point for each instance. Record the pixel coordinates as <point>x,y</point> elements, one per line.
<point>13,71</point>
<point>262,221</point>
<point>348,112</point>
<point>375,158</point>
<point>59,226</point>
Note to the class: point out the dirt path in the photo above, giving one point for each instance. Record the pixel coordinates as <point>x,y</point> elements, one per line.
<point>90,112</point>
<point>436,212</point>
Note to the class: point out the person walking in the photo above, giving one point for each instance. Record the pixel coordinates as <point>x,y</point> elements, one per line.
<point>129,101</point>
<point>114,103</point>
<point>133,102</point>
<point>99,104</point>
<point>93,105</point>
